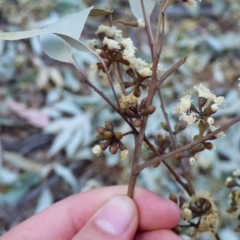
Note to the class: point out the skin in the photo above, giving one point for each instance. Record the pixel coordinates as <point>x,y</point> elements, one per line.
<point>76,217</point>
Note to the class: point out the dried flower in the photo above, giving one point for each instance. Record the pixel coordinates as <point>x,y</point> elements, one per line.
<point>202,206</point>
<point>127,101</point>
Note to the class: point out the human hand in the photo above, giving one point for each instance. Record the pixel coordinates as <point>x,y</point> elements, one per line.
<point>102,214</point>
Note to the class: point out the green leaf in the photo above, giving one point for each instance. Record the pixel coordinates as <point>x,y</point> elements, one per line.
<point>95,12</point>
<point>136,7</point>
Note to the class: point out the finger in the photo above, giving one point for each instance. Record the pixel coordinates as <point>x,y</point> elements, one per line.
<point>115,220</point>
<point>65,218</point>
<point>158,234</point>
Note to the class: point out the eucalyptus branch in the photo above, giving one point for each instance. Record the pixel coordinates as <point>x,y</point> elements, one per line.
<point>157,160</point>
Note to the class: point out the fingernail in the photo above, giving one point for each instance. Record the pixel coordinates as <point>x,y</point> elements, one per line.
<point>116,216</point>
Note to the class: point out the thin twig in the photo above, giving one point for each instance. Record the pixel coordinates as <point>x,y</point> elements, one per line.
<point>173,139</point>
<point>148,29</point>
<point>157,160</point>
<point>110,15</point>
<point>178,178</point>
<point>171,70</point>
<point>118,76</point>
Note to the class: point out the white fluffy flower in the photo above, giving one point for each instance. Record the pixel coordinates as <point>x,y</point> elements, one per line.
<point>141,22</point>
<point>236,173</point>
<point>184,105</point>
<point>192,160</point>
<point>112,44</point>
<point>97,150</point>
<point>124,154</point>
<point>206,93</point>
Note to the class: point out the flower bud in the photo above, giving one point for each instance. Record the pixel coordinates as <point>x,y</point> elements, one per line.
<point>164,126</point>
<point>101,129</point>
<point>208,145</point>
<point>104,145</point>
<point>143,103</point>
<point>137,122</point>
<point>107,135</point>
<point>151,155</point>
<point>214,107</point>
<point>137,92</point>
<point>173,198</point>
<point>109,126</point>
<point>113,148</point>
<point>131,73</point>
<point>230,182</point>
<point>201,102</point>
<point>182,200</point>
<point>118,135</point>
<point>180,127</point>
<point>177,230</point>
<point>192,160</point>
<point>210,120</point>
<point>129,113</point>
<point>149,110</point>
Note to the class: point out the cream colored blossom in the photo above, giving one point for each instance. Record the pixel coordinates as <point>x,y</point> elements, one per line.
<point>186,214</point>
<point>93,43</point>
<point>102,74</point>
<point>236,173</point>
<point>183,108</point>
<point>94,67</point>
<point>206,93</point>
<point>210,120</point>
<point>127,101</point>
<point>97,150</point>
<point>112,44</point>
<point>141,22</point>
<point>184,105</point>
<point>111,32</point>
<point>192,160</point>
<point>145,72</point>
<point>213,128</point>
<point>228,180</point>
<point>209,221</point>
<point>123,154</point>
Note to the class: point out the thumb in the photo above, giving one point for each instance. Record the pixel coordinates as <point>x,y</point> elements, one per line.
<point>116,219</point>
